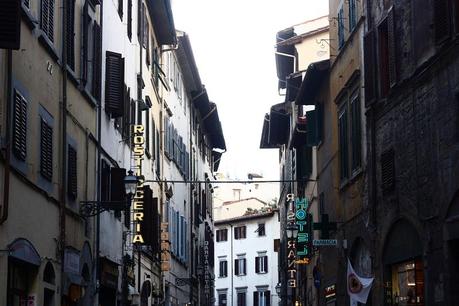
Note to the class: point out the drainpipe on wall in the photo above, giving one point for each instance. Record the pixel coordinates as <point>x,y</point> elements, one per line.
<point>9,99</point>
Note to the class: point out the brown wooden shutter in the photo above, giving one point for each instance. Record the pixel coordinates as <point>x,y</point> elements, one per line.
<point>268,297</point>
<point>387,170</point>
<point>257,264</point>
<point>72,180</point>
<point>392,47</point>
<point>442,20</point>
<point>145,26</point>
<point>46,150</point>
<point>85,43</point>
<point>370,67</point>
<point>265,259</point>
<point>10,24</point>
<point>97,69</point>
<point>44,16</point>
<point>244,265</point>
<point>70,33</point>
<point>156,227</point>
<point>20,127</point>
<point>236,267</point>
<point>114,82</point>
<point>117,189</point>
<point>105,182</point>
<point>50,32</point>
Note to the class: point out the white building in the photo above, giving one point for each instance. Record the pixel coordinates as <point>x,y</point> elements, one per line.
<point>246,254</point>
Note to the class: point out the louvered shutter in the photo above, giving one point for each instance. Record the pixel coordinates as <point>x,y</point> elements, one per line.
<point>312,138</point>
<point>156,227</point>
<point>145,27</point>
<point>105,182</point>
<point>442,20</point>
<point>70,33</point>
<point>50,32</point>
<point>265,259</point>
<point>117,189</point>
<point>255,298</point>
<point>114,98</point>
<point>120,9</point>
<point>20,127</point>
<point>257,264</point>
<point>387,170</point>
<point>10,24</point>
<point>268,298</point>
<point>370,67</point>
<point>129,20</point>
<point>85,43</point>
<point>392,48</point>
<point>97,56</point>
<point>236,267</point>
<point>44,16</point>
<point>46,150</point>
<point>244,266</point>
<point>72,180</point>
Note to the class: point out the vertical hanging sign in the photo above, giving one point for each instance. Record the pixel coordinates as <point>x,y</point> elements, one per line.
<point>165,247</point>
<point>291,245</point>
<point>304,222</point>
<point>139,151</point>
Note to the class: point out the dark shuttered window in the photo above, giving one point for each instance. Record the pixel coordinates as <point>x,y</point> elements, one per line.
<point>356,132</point>
<point>120,8</point>
<point>370,67</point>
<point>72,180</point>
<point>391,46</point>
<point>97,57</point>
<point>47,18</point>
<point>70,33</point>
<point>129,19</point>
<point>46,150</point>
<point>442,20</point>
<point>343,144</point>
<point>387,170</point>
<point>10,24</point>
<point>114,98</point>
<point>383,43</point>
<point>20,127</point>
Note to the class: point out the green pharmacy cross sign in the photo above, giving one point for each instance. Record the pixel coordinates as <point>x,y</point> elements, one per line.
<point>304,222</point>
<point>325,227</point>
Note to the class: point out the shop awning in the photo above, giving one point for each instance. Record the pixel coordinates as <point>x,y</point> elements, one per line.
<point>310,86</point>
<point>293,86</point>
<point>23,250</point>
<point>284,56</point>
<point>305,131</point>
<point>279,124</point>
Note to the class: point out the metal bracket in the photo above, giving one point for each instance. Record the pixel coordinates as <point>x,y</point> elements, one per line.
<point>183,281</point>
<point>93,208</point>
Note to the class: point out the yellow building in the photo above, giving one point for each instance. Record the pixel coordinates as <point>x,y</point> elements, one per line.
<point>50,87</point>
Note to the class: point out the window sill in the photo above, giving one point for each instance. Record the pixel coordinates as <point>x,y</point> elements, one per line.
<point>91,100</point>
<point>48,45</point>
<point>348,181</point>
<point>72,76</point>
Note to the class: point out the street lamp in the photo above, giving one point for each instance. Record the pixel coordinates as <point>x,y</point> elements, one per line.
<point>130,183</point>
<point>292,231</point>
<point>278,289</point>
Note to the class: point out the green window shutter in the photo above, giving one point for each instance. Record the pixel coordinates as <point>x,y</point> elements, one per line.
<point>20,127</point>
<point>312,138</point>
<point>304,162</point>
<point>343,144</point>
<point>356,133</point>
<point>46,150</point>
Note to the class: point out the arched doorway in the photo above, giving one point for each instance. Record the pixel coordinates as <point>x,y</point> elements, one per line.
<point>452,242</point>
<point>360,257</point>
<point>23,264</point>
<point>403,266</point>
<point>49,284</point>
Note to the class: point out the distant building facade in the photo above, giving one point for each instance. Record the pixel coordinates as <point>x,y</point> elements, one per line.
<point>246,257</point>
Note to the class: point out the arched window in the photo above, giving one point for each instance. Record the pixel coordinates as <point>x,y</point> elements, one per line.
<point>49,281</point>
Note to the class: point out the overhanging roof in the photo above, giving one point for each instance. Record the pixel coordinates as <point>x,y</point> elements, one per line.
<point>276,127</point>
<point>163,21</point>
<point>310,86</point>
<point>188,66</point>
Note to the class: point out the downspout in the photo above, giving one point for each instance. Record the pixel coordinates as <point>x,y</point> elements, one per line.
<point>9,101</point>
<point>193,208</point>
<point>232,263</point>
<point>99,166</point>
<point>63,189</point>
<point>139,121</point>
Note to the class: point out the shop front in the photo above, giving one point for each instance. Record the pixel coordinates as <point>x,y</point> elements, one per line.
<point>108,282</point>
<point>23,266</point>
<point>403,267</point>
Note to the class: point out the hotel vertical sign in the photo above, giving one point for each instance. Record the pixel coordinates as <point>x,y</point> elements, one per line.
<point>304,222</point>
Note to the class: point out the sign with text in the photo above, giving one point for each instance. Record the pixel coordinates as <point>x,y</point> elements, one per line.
<point>139,151</point>
<point>165,248</point>
<point>325,242</point>
<point>303,220</point>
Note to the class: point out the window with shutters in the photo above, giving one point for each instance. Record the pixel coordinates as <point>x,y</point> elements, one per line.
<point>456,16</point>
<point>369,66</point>
<point>92,52</point>
<point>129,19</point>
<point>157,155</point>
<point>240,232</point>
<point>261,230</point>
<point>46,149</point>
<point>47,18</point>
<point>261,263</point>
<point>241,297</point>
<point>222,268</point>
<point>147,132</point>
<point>70,33</point>
<point>222,297</point>
<point>350,134</point>
<point>10,24</point>
<point>145,29</point>
<point>387,60</point>
<point>352,14</point>
<point>387,170</point>
<point>340,27</point>
<point>240,266</point>
<point>105,181</point>
<point>114,84</point>
<point>222,235</point>
<point>262,297</point>
<point>276,246</point>
<point>19,126</point>
<point>120,9</point>
<point>72,181</point>
<point>442,20</point>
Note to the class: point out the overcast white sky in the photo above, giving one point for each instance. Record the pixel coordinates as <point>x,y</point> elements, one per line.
<point>233,44</point>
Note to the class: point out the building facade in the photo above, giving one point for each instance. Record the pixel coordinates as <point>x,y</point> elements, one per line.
<point>117,95</point>
<point>246,256</point>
